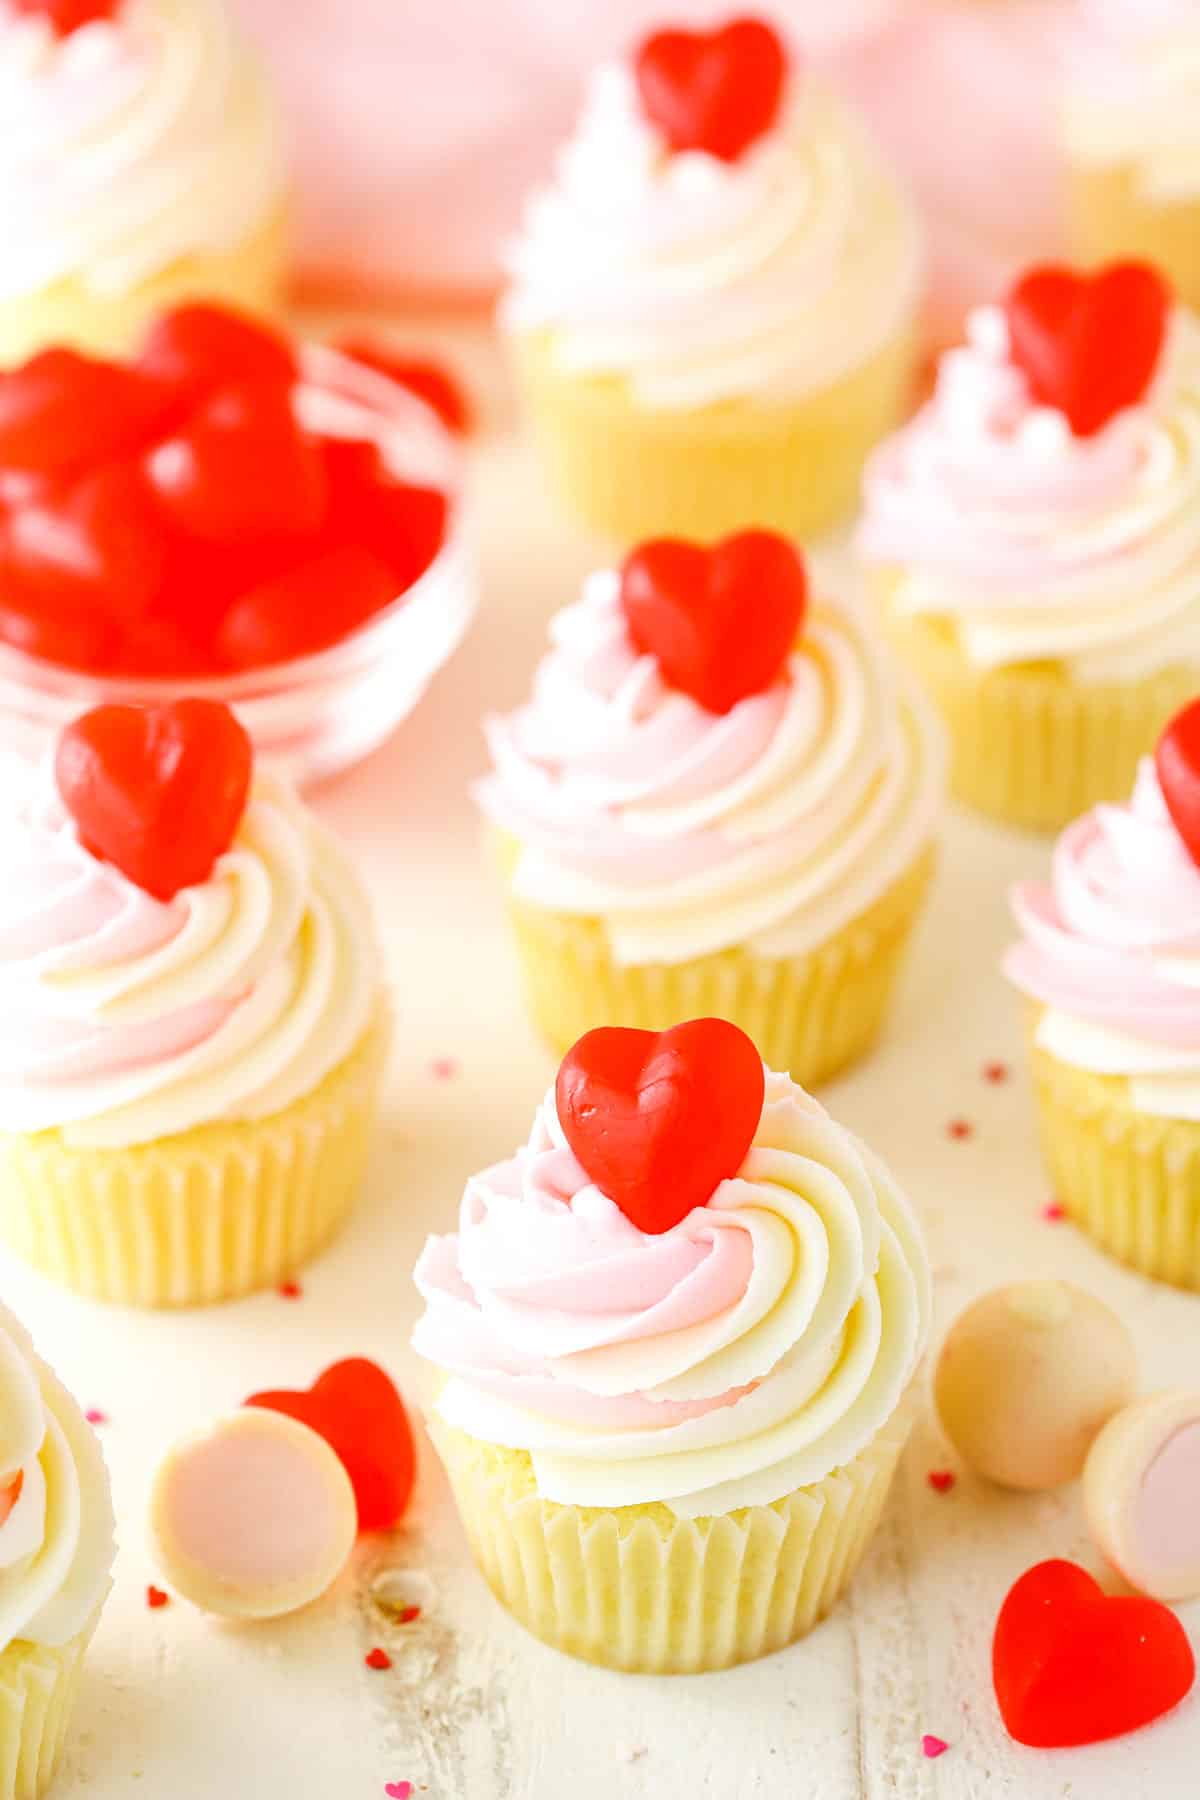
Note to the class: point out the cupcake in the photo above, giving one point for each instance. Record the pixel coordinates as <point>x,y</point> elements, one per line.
<point>56,1553</point>
<point>714,307</point>
<point>1107,959</point>
<point>141,161</point>
<point>1131,126</point>
<point>718,800</point>
<point>1033,539</point>
<point>194,1023</point>
<point>678,1333</point>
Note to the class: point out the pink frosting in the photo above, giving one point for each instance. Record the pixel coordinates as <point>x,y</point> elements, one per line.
<point>1124,898</point>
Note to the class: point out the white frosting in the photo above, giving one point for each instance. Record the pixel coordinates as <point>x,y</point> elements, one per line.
<point>1133,100</point>
<point>700,280</point>
<point>128,145</point>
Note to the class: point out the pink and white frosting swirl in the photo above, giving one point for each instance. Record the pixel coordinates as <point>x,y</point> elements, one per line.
<point>1133,94</point>
<point>699,280</point>
<point>1036,545</point>
<point>1111,951</point>
<point>756,1346</point>
<point>685,831</point>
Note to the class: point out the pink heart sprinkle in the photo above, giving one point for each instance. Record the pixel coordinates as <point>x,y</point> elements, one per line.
<point>933,1746</point>
<point>94,1416</point>
<point>443,1068</point>
<point>398,1790</point>
<point>941,1480</point>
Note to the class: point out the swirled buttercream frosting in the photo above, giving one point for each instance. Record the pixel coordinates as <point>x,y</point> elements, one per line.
<point>1133,94</point>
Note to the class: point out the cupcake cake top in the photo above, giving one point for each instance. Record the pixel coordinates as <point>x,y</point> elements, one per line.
<point>690,1286</point>
<point>1045,503</point>
<point>1110,947</point>
<point>132,134</point>
<point>181,942</point>
<point>56,1516</point>
<point>1133,94</point>
<point>711,757</point>
<point>717,227</point>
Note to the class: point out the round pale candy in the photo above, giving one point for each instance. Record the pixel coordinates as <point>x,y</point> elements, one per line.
<point>1141,1492</point>
<point>252,1517</point>
<point>1026,1378</point>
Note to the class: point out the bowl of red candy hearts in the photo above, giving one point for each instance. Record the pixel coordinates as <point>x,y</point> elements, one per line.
<point>273,526</point>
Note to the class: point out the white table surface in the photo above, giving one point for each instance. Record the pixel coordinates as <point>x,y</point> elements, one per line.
<point>177,1707</point>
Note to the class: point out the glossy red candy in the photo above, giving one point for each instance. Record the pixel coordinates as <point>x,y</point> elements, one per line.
<point>240,469</point>
<point>95,544</point>
<point>201,347</point>
<point>306,609</point>
<point>73,637</point>
<point>404,526</point>
<point>722,621</point>
<point>1177,760</point>
<point>430,381</point>
<point>658,1119</point>
<point>67,16</point>
<point>355,1407</point>
<point>1089,344</point>
<point>1072,1665</point>
<point>158,791</point>
<point>62,410</point>
<point>713,90</point>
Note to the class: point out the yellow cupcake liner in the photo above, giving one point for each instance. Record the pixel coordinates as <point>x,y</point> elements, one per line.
<point>250,277</point>
<point>1130,1180</point>
<point>810,1016</point>
<point>1110,216</point>
<point>1029,745</point>
<point>632,473</point>
<point>206,1215</point>
<point>37,1694</point>
<point>635,1588</point>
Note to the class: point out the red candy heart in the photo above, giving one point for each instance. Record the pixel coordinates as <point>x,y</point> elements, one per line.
<point>354,1406</point>
<point>404,526</point>
<point>658,1119</point>
<point>717,91</point>
<point>305,610</point>
<point>240,468</point>
<point>1177,760</point>
<point>1088,344</point>
<point>159,791</point>
<point>721,622</point>
<point>1072,1665</point>
<point>94,546</point>
<point>67,16</point>
<point>61,410</point>
<point>428,380</point>
<point>200,347</point>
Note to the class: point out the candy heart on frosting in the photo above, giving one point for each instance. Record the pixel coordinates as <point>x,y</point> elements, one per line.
<point>712,90</point>
<point>1177,760</point>
<point>1072,1665</point>
<point>355,1407</point>
<point>1088,344</point>
<point>721,622</point>
<point>658,1119</point>
<point>158,791</point>
<point>67,16</point>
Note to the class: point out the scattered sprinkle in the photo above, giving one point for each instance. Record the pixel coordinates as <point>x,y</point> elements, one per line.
<point>94,1416</point>
<point>443,1068</point>
<point>995,1072</point>
<point>290,1290</point>
<point>156,1598</point>
<point>632,1753</point>
<point>959,1129</point>
<point>933,1746</point>
<point>399,1790</point>
<point>377,1659</point>
<point>941,1480</point>
<point>407,1614</point>
<point>1053,1211</point>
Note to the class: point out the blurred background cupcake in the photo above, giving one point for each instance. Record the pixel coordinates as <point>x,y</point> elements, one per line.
<point>141,162</point>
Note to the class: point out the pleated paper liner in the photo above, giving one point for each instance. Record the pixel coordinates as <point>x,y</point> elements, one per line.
<point>1029,745</point>
<point>809,1015</point>
<point>636,1588</point>
<point>1129,1180</point>
<point>631,473</point>
<point>203,1216</point>
<point>1112,217</point>
<point>37,1693</point>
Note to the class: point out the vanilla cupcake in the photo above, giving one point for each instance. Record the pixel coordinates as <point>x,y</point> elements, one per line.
<point>718,800</point>
<point>141,163</point>
<point>1110,960</point>
<point>679,1342</point>
<point>56,1558</point>
<point>194,1025</point>
<point>1033,539</point>
<point>713,308</point>
<point>1131,127</point>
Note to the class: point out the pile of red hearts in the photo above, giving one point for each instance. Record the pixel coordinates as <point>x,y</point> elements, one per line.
<point>171,518</point>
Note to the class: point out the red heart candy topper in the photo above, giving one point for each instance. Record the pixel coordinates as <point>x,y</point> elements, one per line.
<point>1177,762</point>
<point>1071,1665</point>
<point>1089,345</point>
<point>718,91</point>
<point>721,622</point>
<point>658,1119</point>
<point>67,16</point>
<point>158,791</point>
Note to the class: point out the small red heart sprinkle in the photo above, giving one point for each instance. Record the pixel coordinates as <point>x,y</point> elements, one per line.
<point>408,1613</point>
<point>94,1416</point>
<point>377,1659</point>
<point>290,1290</point>
<point>960,1129</point>
<point>430,381</point>
<point>1177,762</point>
<point>398,1790</point>
<point>67,16</point>
<point>941,1480</point>
<point>1088,344</point>
<point>158,791</point>
<point>659,1119</point>
<point>721,622</point>
<point>1054,1211</point>
<point>1071,1665</point>
<point>995,1072</point>
<point>156,1598</point>
<point>933,1747</point>
<point>718,91</point>
<point>355,1407</point>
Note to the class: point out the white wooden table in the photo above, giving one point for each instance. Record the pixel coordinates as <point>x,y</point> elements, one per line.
<point>177,1707</point>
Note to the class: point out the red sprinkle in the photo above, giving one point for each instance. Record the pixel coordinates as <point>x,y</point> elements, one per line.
<point>94,1416</point>
<point>959,1129</point>
<point>290,1290</point>
<point>941,1480</point>
<point>933,1746</point>
<point>398,1790</point>
<point>155,1597</point>
<point>443,1068</point>
<point>378,1659</point>
<point>1053,1211</point>
<point>408,1613</point>
<point>995,1072</point>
